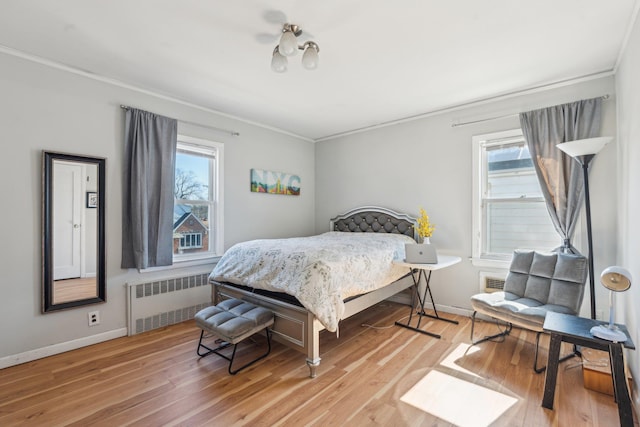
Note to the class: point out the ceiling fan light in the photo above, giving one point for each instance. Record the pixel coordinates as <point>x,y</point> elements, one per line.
<point>278,61</point>
<point>310,57</point>
<point>288,43</point>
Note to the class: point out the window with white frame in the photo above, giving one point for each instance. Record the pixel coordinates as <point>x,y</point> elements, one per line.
<point>191,240</point>
<point>197,213</point>
<point>509,209</point>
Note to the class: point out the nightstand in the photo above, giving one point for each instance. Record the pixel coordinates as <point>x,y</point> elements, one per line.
<point>575,330</point>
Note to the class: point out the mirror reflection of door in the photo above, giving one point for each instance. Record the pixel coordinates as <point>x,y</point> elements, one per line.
<point>67,209</point>
<point>74,232</point>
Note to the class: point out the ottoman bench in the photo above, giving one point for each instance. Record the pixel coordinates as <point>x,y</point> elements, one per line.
<point>232,321</point>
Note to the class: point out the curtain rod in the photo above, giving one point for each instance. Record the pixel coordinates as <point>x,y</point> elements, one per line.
<point>500,117</point>
<point>230,132</point>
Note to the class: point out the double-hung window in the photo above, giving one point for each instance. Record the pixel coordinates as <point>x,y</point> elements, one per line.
<point>509,210</point>
<point>197,213</point>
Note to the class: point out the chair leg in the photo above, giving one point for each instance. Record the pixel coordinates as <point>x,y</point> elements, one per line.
<point>233,372</point>
<point>209,350</point>
<point>562,359</point>
<point>535,360</point>
<point>473,324</point>
<point>538,370</point>
<point>233,354</point>
<point>504,333</point>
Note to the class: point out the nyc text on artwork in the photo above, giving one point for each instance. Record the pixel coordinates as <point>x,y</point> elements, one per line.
<point>263,181</point>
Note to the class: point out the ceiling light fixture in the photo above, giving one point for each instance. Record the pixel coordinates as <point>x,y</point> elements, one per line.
<point>288,46</point>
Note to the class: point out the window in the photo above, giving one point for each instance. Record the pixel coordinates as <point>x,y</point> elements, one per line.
<point>509,209</point>
<point>191,240</point>
<point>197,212</point>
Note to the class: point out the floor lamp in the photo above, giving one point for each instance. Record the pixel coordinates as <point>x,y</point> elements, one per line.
<point>584,150</point>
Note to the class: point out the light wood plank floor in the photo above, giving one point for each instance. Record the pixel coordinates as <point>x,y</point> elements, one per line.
<point>156,379</point>
<point>74,289</point>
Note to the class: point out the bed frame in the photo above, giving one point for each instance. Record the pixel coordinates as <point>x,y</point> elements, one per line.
<point>296,327</point>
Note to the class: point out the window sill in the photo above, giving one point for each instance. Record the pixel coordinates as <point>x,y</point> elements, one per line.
<point>490,263</point>
<point>184,263</point>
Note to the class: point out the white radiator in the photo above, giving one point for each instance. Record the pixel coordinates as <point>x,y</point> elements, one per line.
<point>492,281</point>
<point>160,303</point>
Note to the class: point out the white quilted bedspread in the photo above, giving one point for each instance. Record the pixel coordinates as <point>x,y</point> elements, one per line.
<point>320,271</point>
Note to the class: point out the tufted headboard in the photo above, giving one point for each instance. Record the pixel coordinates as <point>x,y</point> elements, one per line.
<point>374,219</point>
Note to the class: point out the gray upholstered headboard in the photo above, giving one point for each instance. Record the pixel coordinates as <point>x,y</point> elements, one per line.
<point>374,219</point>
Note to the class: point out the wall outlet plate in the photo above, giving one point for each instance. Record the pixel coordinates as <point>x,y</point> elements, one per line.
<point>94,318</point>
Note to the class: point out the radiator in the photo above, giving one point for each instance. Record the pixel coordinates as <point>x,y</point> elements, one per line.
<point>492,281</point>
<point>160,303</point>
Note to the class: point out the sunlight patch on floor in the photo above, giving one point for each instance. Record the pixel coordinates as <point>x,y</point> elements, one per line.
<point>457,401</point>
<point>458,353</point>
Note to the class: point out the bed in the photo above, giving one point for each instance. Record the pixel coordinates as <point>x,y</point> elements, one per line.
<point>298,320</point>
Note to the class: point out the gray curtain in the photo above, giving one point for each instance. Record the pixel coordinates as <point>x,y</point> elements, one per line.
<point>560,176</point>
<point>147,206</point>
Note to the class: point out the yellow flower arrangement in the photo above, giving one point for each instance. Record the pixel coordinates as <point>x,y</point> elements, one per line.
<point>424,228</point>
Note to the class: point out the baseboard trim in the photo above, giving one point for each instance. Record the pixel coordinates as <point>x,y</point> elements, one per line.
<point>450,309</point>
<point>405,298</point>
<point>50,350</point>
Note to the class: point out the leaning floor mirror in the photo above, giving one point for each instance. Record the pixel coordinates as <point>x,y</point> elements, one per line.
<point>73,241</point>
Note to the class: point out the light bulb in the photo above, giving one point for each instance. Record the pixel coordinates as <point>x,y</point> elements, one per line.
<point>288,43</point>
<point>310,57</point>
<point>278,62</point>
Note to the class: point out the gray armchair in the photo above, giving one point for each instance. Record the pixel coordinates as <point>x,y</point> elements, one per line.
<point>536,284</point>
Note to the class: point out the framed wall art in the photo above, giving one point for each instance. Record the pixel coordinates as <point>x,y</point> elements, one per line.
<point>270,182</point>
<point>92,199</point>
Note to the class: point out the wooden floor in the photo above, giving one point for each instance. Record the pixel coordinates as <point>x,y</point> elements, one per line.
<point>155,379</point>
<point>74,289</point>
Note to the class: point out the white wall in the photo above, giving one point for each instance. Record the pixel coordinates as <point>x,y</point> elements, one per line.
<point>427,163</point>
<point>628,241</point>
<point>44,108</point>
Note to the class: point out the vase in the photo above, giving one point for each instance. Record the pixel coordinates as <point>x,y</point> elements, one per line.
<point>426,240</point>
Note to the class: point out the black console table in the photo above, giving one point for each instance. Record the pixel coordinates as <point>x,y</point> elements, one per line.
<point>575,330</point>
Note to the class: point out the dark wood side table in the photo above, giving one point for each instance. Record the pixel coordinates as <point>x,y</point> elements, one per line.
<point>575,330</point>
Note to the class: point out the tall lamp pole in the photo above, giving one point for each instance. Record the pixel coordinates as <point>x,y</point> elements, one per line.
<point>584,150</point>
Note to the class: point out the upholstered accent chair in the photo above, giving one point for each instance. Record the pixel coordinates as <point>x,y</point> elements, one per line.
<point>536,284</point>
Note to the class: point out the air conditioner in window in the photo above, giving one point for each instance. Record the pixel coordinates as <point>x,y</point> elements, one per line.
<point>492,281</point>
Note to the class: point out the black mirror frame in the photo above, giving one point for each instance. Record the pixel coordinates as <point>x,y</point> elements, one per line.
<point>47,229</point>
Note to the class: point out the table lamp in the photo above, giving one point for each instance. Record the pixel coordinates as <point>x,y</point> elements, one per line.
<point>616,279</point>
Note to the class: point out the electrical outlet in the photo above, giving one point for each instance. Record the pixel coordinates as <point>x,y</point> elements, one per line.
<point>599,315</point>
<point>94,318</point>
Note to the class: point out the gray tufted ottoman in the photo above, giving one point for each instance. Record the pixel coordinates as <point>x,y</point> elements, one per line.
<point>232,321</point>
